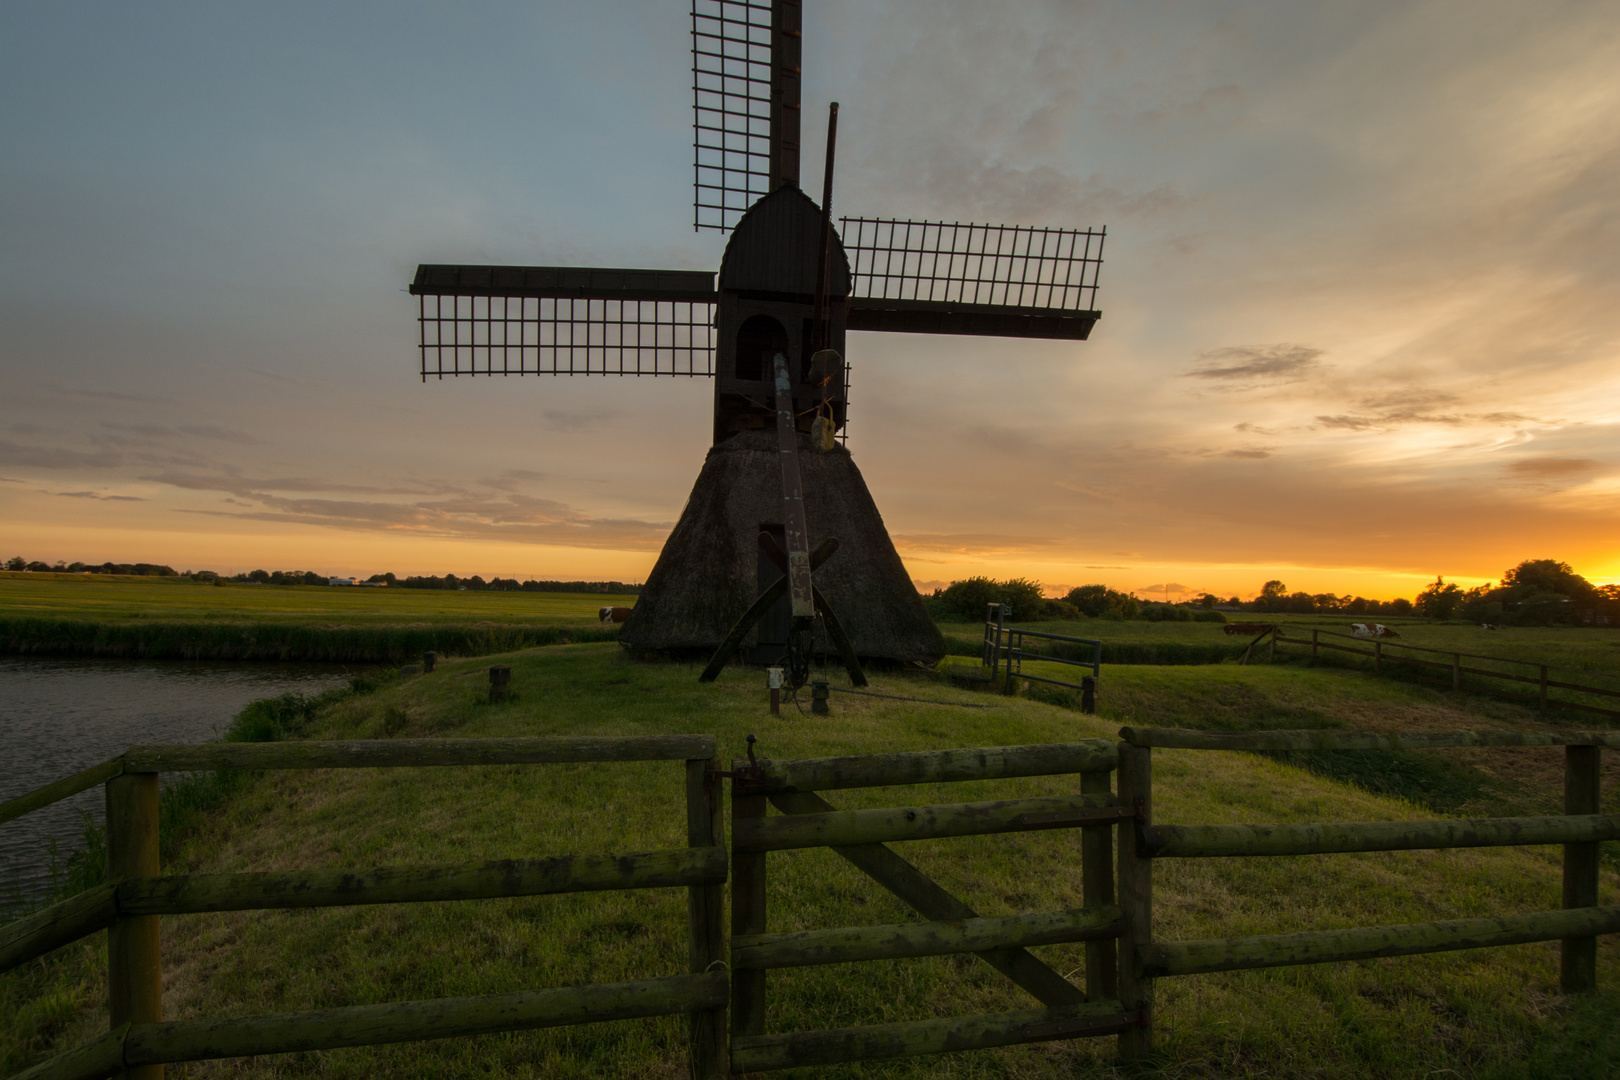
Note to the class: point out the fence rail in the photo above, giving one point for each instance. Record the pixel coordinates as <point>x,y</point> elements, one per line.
<point>1579,830</point>
<point>130,903</point>
<point>1541,680</point>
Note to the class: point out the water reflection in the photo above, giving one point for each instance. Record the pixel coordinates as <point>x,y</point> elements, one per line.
<point>60,716</point>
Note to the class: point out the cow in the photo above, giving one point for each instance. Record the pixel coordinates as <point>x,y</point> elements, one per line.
<point>1361,629</point>
<point>613,614</point>
<point>1487,626</point>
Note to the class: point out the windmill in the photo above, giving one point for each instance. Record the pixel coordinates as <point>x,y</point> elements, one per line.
<point>780,531</point>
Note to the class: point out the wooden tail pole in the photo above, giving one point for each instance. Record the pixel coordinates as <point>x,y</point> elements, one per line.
<point>134,966</point>
<point>1135,901</point>
<point>1582,790</point>
<point>771,595</point>
<point>824,256</point>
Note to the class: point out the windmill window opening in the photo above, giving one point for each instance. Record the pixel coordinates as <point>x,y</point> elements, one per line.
<point>758,339</point>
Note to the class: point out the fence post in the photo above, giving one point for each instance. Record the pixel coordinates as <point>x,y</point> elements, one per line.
<point>1135,901</point>
<point>1456,671</point>
<point>747,914</point>
<point>1097,890</point>
<point>1582,780</point>
<point>134,964</point>
<point>1314,634</point>
<point>1378,655</point>
<point>705,913</point>
<point>1271,657</point>
<point>1543,705</point>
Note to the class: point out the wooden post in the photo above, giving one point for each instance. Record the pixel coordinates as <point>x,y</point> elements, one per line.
<point>1582,782</point>
<point>134,965</point>
<point>1543,704</point>
<point>705,910</point>
<point>1378,655</point>
<point>1314,634</point>
<point>1097,885</point>
<point>1088,695</point>
<point>429,658</point>
<point>747,914</point>
<point>500,681</point>
<point>1135,901</point>
<point>1271,657</point>
<point>1456,671</point>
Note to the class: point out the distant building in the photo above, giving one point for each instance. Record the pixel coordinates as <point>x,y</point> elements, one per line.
<point>340,581</point>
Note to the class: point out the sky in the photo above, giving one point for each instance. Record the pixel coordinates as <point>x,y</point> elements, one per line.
<point>1360,317</point>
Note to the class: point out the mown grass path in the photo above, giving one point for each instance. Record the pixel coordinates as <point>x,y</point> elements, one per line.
<point>1486,1014</point>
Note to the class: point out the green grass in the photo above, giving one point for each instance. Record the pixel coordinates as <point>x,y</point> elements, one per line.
<point>159,618</point>
<point>173,601</point>
<point>1486,1014</point>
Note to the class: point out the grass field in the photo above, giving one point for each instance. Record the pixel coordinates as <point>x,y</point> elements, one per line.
<point>1489,1014</point>
<point>168,600</point>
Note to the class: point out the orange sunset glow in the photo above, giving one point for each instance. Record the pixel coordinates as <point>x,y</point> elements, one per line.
<point>1359,318</point>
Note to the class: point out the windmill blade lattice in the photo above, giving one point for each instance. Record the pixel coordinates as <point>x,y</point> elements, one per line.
<point>731,109</point>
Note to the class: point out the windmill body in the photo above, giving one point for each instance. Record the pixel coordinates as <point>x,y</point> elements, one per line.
<point>789,287</point>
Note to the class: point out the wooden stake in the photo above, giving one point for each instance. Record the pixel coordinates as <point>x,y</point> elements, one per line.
<point>1097,885</point>
<point>705,906</point>
<point>747,915</point>
<point>134,966</point>
<point>1582,783</point>
<point>1135,902</point>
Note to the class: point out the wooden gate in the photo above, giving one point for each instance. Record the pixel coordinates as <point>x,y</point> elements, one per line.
<point>862,837</point>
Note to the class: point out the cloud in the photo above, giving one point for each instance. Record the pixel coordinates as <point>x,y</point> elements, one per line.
<point>972,543</point>
<point>1245,453</point>
<point>1263,365</point>
<point>575,421</point>
<point>1553,468</point>
<point>1398,417</point>
<point>45,457</point>
<point>98,495</point>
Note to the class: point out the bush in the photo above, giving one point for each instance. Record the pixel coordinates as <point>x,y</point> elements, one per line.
<point>969,599</point>
<point>1101,602</point>
<point>1209,616</point>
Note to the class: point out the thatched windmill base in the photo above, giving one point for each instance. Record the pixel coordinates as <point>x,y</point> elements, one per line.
<point>711,568</point>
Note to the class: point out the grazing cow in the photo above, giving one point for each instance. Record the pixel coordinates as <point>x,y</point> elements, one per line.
<point>613,614</point>
<point>1487,626</point>
<point>1361,629</point>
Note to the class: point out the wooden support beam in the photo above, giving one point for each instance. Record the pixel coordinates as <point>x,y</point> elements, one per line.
<point>397,753</point>
<point>1184,739</point>
<point>747,916</point>
<point>61,789</point>
<point>1583,777</point>
<point>1221,841</point>
<point>925,895</point>
<point>705,917</point>
<point>810,1048</point>
<point>1135,902</point>
<point>1097,884</point>
<point>851,943</point>
<point>192,893</point>
<point>935,766</point>
<point>57,925</point>
<point>1367,943</point>
<point>134,964</point>
<point>879,826</point>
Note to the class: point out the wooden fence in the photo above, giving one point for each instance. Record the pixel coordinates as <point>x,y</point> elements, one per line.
<point>862,837</point>
<point>130,903</point>
<point>1382,651</point>
<point>1579,830</point>
<point>1122,957</point>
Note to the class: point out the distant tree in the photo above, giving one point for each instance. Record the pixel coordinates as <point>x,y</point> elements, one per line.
<point>969,599</point>
<point>261,576</point>
<point>1440,600</point>
<point>39,567</point>
<point>1547,576</point>
<point>1208,601</point>
<point>1101,602</point>
<point>16,562</point>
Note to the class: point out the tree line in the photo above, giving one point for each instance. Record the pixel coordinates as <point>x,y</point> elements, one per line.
<point>475,583</point>
<point>1537,592</point>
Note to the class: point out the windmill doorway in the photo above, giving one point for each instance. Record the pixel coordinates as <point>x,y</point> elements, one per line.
<point>777,623</point>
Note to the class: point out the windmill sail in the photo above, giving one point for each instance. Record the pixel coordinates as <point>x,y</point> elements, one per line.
<point>745,105</point>
<point>936,277</point>
<point>564,320</point>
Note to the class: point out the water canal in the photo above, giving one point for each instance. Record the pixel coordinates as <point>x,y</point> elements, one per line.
<point>60,716</point>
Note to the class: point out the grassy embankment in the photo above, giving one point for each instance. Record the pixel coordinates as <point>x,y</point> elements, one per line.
<point>164,618</point>
<point>1485,1014</point>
